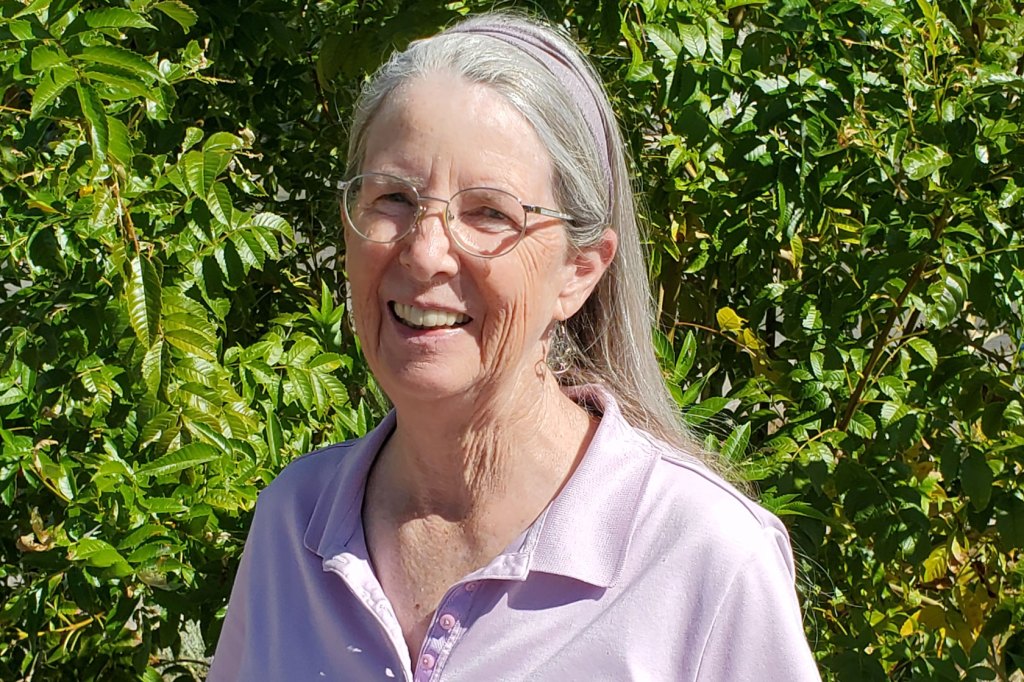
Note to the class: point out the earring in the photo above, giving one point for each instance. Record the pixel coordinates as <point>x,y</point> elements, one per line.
<point>348,306</point>
<point>562,351</point>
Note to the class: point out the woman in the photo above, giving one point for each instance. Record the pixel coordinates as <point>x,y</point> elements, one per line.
<point>531,509</point>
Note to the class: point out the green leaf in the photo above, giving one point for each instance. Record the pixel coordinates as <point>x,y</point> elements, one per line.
<point>223,142</point>
<point>219,202</point>
<point>893,411</point>
<point>119,57</point>
<point>735,447</point>
<point>275,438</point>
<point>119,85</point>
<point>152,367</point>
<point>120,147</point>
<point>98,553</point>
<point>163,505</point>
<point>188,457</point>
<point>811,317</point>
<point>705,410</point>
<point>862,425</point>
<point>665,42</point>
<point>925,349</point>
<point>99,130</point>
<point>115,17</point>
<point>302,386</point>
<point>976,479</point>
<point>330,58</point>
<point>33,7</point>
<point>44,57</point>
<point>249,249</point>
<point>140,535</point>
<point>20,30</point>
<point>179,12</point>
<point>715,36</point>
<point>1010,524</point>
<point>948,297</point>
<point>191,342</point>
<point>230,263</point>
<point>50,87</point>
<point>685,359</point>
<point>693,40</point>
<point>1010,195</point>
<point>273,221</point>
<point>45,251</point>
<point>923,162</point>
<point>143,292</point>
<point>192,137</point>
<point>202,169</point>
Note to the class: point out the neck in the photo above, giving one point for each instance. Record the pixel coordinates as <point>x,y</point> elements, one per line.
<point>497,459</point>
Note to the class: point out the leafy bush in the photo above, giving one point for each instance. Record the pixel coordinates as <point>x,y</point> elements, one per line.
<point>835,207</point>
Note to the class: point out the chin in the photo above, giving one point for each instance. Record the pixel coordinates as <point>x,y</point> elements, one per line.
<point>421,384</point>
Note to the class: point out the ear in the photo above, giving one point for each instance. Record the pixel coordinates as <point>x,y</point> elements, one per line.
<point>584,270</point>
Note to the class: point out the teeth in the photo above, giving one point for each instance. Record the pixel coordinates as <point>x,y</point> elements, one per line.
<point>428,319</point>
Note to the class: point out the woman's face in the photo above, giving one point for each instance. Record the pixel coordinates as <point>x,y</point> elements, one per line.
<point>434,321</point>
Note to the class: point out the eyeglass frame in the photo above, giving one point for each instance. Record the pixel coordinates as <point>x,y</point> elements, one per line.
<point>344,185</point>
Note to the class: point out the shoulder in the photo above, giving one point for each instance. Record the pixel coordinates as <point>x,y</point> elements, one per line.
<point>306,477</point>
<point>691,511</point>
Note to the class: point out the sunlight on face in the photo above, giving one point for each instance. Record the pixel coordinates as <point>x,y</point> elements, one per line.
<point>433,320</point>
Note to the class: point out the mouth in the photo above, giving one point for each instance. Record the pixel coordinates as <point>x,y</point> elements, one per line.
<point>420,318</point>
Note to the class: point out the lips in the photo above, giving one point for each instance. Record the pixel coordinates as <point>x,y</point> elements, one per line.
<point>421,318</point>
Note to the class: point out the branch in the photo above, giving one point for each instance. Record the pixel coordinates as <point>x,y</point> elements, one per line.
<point>882,339</point>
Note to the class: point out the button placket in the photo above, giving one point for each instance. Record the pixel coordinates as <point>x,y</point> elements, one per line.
<point>447,622</point>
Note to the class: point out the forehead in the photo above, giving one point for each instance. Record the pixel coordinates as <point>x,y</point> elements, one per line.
<point>440,124</point>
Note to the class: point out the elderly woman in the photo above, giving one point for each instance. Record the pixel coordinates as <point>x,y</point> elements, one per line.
<point>531,509</point>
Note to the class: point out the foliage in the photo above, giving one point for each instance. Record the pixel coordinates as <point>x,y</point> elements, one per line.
<point>835,206</point>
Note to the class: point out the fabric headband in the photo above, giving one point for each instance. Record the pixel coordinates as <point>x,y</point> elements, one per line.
<point>578,84</point>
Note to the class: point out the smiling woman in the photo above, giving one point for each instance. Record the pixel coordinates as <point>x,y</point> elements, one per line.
<point>508,520</point>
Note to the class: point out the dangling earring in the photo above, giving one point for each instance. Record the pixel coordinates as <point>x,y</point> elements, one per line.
<point>348,306</point>
<point>562,352</point>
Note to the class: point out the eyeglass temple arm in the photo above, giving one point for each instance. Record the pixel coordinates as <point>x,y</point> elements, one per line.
<point>540,210</point>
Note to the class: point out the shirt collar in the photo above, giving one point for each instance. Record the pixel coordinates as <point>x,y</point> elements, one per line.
<point>585,532</point>
<point>338,510</point>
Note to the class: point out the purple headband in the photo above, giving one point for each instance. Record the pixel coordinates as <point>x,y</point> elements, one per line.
<point>574,80</point>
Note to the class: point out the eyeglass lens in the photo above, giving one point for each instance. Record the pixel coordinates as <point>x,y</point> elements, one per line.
<point>483,221</point>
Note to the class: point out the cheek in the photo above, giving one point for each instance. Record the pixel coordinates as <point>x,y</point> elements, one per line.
<point>520,308</point>
<point>363,266</point>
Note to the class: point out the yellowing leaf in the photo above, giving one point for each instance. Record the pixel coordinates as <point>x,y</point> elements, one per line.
<point>729,320</point>
<point>937,564</point>
<point>909,625</point>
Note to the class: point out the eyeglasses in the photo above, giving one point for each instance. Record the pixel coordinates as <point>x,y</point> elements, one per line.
<point>482,221</point>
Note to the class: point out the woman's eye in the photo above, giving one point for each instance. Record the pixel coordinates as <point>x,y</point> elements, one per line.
<point>397,198</point>
<point>494,214</point>
<point>488,219</point>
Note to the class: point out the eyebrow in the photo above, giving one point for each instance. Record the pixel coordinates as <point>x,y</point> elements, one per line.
<point>417,181</point>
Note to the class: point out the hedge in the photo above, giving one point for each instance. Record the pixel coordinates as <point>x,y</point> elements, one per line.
<point>834,204</point>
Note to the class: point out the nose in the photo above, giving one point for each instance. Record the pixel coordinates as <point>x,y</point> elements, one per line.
<point>428,250</point>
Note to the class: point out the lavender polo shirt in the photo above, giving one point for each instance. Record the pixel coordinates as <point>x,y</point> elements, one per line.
<point>645,567</point>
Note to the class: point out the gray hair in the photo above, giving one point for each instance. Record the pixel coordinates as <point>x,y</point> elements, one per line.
<point>610,337</point>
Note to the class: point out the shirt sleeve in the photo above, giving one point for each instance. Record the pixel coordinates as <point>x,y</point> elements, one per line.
<point>757,633</point>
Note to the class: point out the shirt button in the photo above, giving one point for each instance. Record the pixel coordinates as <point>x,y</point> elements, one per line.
<point>427,662</point>
<point>447,622</point>
<point>471,587</point>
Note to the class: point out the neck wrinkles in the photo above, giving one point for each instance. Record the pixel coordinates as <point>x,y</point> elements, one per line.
<point>467,469</point>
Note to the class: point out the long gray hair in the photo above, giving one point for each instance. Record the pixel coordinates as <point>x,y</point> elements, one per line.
<point>609,339</point>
